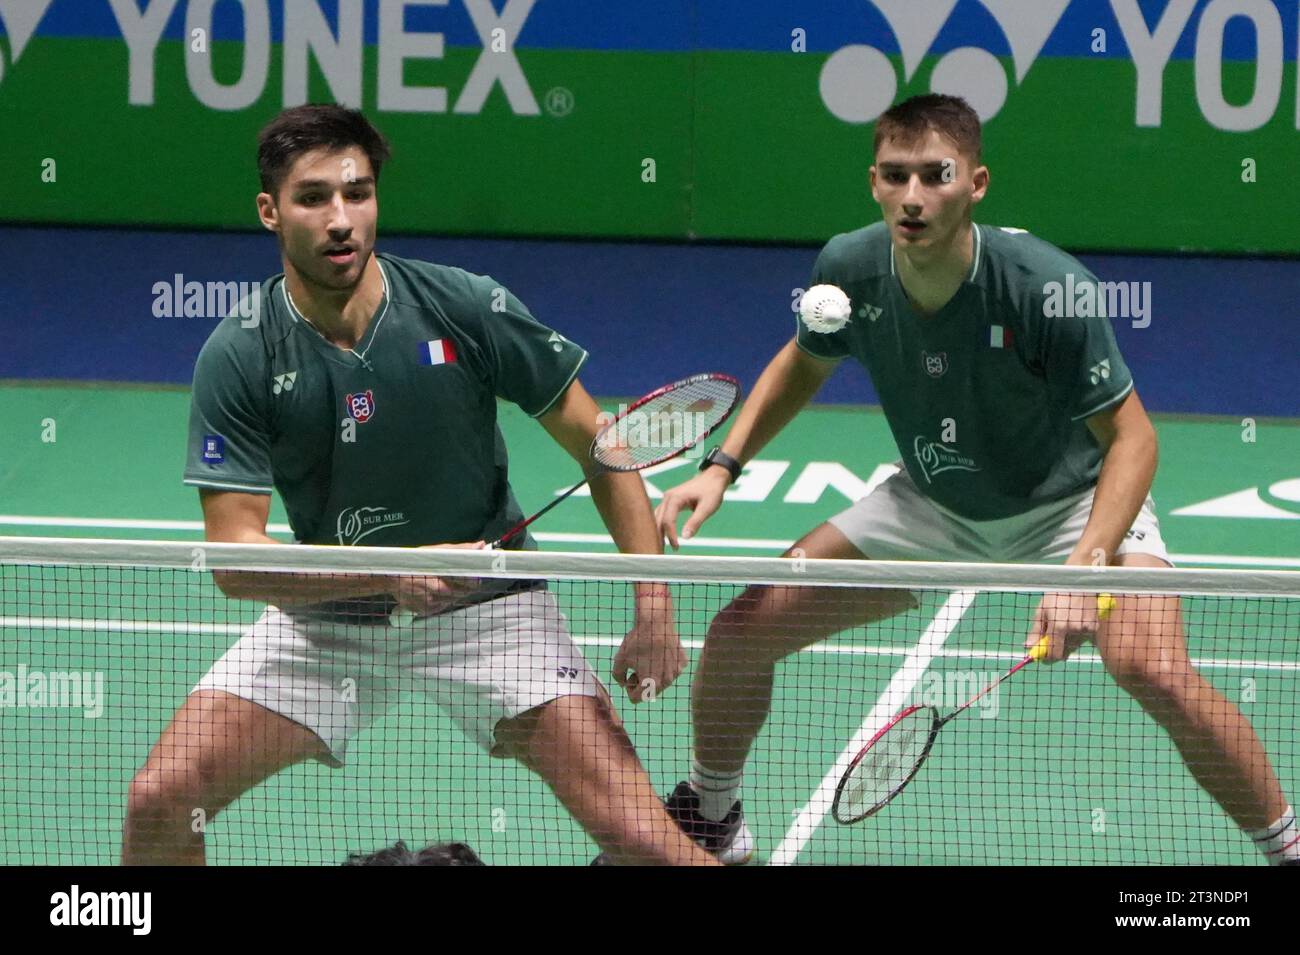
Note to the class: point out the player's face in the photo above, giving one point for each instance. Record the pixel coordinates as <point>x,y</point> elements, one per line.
<point>926,189</point>
<point>325,216</point>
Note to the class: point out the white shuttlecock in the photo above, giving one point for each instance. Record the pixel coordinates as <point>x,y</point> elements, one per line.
<point>825,309</point>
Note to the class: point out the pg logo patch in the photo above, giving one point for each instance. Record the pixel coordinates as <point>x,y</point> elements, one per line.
<point>361,406</point>
<point>935,365</point>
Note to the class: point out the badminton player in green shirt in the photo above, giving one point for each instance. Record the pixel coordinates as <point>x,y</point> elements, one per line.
<point>364,390</point>
<point>1022,440</point>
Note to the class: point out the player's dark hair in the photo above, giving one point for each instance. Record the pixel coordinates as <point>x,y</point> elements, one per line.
<point>301,129</point>
<point>440,853</point>
<point>952,116</point>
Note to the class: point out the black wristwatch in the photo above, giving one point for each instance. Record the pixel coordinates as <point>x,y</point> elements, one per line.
<point>722,460</point>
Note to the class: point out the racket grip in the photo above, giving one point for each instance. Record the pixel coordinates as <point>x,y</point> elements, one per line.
<point>1105,605</point>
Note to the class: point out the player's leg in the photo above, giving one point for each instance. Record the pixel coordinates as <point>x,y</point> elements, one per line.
<point>217,747</point>
<point>288,690</point>
<point>576,746</point>
<point>1144,647</point>
<point>732,692</point>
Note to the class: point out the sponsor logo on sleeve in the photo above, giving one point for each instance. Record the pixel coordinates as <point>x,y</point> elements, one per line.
<point>214,450</point>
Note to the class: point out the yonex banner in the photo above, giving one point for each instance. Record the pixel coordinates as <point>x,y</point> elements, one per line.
<point>1110,124</point>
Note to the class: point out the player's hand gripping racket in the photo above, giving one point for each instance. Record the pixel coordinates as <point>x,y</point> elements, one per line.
<point>892,757</point>
<point>654,429</point>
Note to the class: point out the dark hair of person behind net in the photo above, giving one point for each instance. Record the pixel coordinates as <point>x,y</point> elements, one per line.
<point>952,116</point>
<point>440,853</point>
<point>301,129</point>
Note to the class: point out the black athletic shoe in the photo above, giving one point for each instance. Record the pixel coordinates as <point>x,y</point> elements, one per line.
<point>729,840</point>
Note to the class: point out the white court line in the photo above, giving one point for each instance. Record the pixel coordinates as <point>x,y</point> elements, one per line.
<point>555,537</point>
<point>895,695</point>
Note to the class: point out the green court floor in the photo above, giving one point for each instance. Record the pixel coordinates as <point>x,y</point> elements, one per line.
<point>1069,771</point>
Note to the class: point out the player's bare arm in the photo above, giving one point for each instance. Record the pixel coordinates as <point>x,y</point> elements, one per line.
<point>1128,442</point>
<point>235,517</point>
<point>787,384</point>
<point>651,656</point>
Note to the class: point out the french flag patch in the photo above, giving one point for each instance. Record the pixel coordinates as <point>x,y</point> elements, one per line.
<point>440,351</point>
<point>999,336</point>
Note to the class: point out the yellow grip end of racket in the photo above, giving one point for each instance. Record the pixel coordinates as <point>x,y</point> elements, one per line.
<point>1105,605</point>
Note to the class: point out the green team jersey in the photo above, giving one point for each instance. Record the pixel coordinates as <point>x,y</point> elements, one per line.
<point>987,398</point>
<point>394,442</point>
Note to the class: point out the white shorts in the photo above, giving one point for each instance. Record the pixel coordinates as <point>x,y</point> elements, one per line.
<point>488,662</point>
<point>895,521</point>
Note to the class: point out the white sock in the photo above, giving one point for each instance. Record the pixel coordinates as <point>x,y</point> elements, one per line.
<point>718,792</point>
<point>1280,841</point>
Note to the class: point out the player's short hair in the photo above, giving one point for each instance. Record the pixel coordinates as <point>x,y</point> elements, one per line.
<point>301,129</point>
<point>439,853</point>
<point>952,116</point>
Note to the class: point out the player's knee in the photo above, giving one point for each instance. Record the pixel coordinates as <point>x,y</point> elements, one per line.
<point>747,625</point>
<point>153,798</point>
<point>1149,675</point>
<point>171,798</point>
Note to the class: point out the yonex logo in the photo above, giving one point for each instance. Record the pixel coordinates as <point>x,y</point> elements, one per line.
<point>284,382</point>
<point>299,27</point>
<point>570,673</point>
<point>1100,372</point>
<point>556,341</point>
<point>858,82</point>
<point>21,17</point>
<point>870,312</point>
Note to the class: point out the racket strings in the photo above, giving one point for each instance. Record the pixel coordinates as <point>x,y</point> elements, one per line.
<point>886,765</point>
<point>665,424</point>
